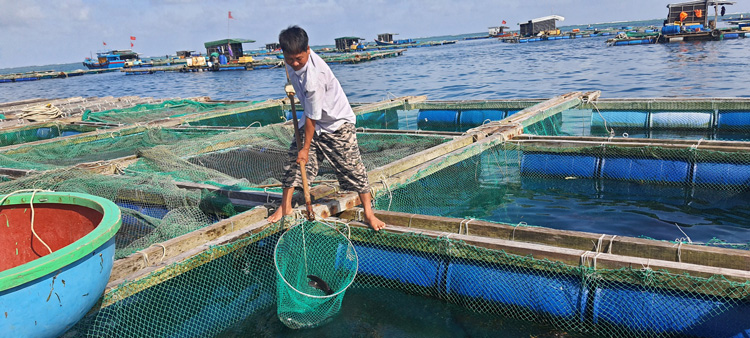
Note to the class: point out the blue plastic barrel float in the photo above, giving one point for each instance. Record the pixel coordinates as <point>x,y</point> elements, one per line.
<point>300,114</point>
<point>644,169</point>
<point>512,112</point>
<point>619,120</point>
<point>540,292</point>
<point>387,119</point>
<point>730,36</point>
<point>45,133</point>
<point>670,29</point>
<point>716,173</point>
<point>733,120</point>
<point>404,267</point>
<point>70,132</point>
<point>670,313</point>
<point>49,283</point>
<point>558,165</point>
<point>473,118</point>
<point>682,120</point>
<point>440,120</point>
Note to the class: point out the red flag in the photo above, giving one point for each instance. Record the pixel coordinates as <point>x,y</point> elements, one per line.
<point>504,22</point>
<point>131,45</point>
<point>132,37</point>
<point>104,43</point>
<point>230,15</point>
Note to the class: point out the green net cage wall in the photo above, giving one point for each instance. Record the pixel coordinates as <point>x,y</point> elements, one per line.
<point>229,290</point>
<point>93,148</point>
<point>315,264</point>
<point>709,120</point>
<point>155,111</point>
<point>40,132</point>
<point>683,194</point>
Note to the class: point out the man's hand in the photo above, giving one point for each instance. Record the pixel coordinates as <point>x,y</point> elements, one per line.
<point>302,157</point>
<point>289,89</point>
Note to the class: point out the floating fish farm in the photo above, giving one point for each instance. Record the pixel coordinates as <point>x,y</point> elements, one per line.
<point>593,216</point>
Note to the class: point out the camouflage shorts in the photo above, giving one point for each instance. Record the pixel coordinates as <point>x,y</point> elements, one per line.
<point>341,150</point>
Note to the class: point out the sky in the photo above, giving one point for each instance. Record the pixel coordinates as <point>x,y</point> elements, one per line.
<point>42,32</point>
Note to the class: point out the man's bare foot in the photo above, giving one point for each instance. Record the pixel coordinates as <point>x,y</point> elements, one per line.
<point>276,216</point>
<point>374,222</point>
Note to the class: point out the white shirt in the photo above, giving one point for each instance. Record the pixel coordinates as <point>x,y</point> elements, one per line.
<point>321,95</point>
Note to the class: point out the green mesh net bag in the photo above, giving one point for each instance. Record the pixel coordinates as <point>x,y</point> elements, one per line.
<point>315,264</point>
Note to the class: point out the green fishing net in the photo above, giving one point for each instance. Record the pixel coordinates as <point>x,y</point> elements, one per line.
<point>315,264</point>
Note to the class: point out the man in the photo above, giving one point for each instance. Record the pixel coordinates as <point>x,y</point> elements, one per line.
<point>327,128</point>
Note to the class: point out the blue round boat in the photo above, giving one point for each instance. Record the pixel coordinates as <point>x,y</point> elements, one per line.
<point>56,254</point>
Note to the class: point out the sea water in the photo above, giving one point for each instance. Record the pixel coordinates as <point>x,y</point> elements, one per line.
<point>470,69</point>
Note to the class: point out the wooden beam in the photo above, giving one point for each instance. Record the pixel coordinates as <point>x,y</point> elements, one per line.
<point>260,197</point>
<point>545,109</point>
<point>477,104</point>
<point>127,267</point>
<point>410,132</point>
<point>618,245</point>
<point>387,104</point>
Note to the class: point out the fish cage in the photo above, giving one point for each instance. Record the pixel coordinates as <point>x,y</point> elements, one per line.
<point>594,217</point>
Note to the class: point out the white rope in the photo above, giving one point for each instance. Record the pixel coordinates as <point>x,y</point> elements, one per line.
<point>585,258</point>
<point>41,113</point>
<point>145,257</point>
<point>410,217</point>
<point>163,251</point>
<point>611,240</point>
<point>611,132</point>
<point>461,225</point>
<point>359,215</point>
<point>695,146</point>
<point>598,244</point>
<point>647,266</point>
<point>595,257</point>
<point>388,189</point>
<point>31,204</point>
<point>513,234</point>
<point>686,236</point>
<point>254,122</point>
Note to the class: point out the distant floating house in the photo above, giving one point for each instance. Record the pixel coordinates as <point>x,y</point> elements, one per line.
<point>344,44</point>
<point>694,12</point>
<point>182,54</point>
<point>230,48</point>
<point>540,25</point>
<point>272,47</point>
<point>386,39</point>
<point>498,31</point>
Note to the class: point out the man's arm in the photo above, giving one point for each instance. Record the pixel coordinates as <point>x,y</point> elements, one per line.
<point>303,154</point>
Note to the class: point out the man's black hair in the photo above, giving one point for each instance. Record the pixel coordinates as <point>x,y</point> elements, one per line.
<point>293,40</point>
